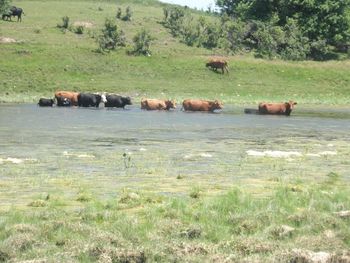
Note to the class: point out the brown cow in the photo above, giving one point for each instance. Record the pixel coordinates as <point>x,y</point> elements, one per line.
<point>201,105</point>
<point>217,63</point>
<point>154,104</point>
<point>277,108</point>
<point>71,95</point>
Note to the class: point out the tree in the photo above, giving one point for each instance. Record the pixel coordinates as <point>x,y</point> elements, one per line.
<point>111,37</point>
<point>4,6</point>
<point>142,42</point>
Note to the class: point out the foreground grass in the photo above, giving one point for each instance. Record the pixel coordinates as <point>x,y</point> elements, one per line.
<point>140,227</point>
<point>46,59</point>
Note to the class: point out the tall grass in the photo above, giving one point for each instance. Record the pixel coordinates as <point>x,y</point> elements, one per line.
<point>144,227</point>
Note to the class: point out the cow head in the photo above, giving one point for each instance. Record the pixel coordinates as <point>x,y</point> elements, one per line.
<point>126,100</point>
<point>103,98</point>
<point>289,106</point>
<point>217,105</point>
<point>170,104</point>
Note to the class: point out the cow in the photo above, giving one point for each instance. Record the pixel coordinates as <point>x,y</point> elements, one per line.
<point>14,11</point>
<point>117,101</point>
<point>201,105</point>
<point>46,102</point>
<point>154,104</point>
<point>277,108</point>
<point>216,64</point>
<point>89,100</point>
<point>73,96</point>
<point>63,102</point>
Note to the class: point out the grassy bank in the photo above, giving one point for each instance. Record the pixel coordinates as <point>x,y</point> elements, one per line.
<point>46,59</point>
<point>141,227</point>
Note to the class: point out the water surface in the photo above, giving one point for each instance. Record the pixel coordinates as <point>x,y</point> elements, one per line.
<point>67,150</point>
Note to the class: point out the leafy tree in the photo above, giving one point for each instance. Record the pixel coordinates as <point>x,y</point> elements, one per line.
<point>111,37</point>
<point>4,6</point>
<point>142,42</point>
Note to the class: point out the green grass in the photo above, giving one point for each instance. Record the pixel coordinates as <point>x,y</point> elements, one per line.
<point>143,227</point>
<point>47,59</point>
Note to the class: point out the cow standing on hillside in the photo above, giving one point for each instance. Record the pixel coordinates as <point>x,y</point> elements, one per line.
<point>218,63</point>
<point>14,11</point>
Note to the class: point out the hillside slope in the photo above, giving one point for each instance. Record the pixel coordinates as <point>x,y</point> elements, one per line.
<point>46,59</point>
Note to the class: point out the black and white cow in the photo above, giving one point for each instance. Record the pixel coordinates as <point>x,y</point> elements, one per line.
<point>117,101</point>
<point>63,101</point>
<point>45,102</point>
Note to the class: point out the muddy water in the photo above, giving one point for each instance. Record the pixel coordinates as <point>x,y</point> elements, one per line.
<point>64,151</point>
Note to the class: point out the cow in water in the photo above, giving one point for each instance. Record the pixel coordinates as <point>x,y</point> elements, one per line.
<point>71,95</point>
<point>45,102</point>
<point>201,105</point>
<point>217,63</point>
<point>63,102</point>
<point>13,11</point>
<point>154,104</point>
<point>117,101</point>
<point>90,100</point>
<point>277,108</point>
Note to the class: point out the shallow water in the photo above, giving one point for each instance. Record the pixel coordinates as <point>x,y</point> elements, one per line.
<point>67,150</point>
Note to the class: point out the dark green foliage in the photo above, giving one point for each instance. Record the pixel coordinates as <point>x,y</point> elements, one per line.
<point>65,23</point>
<point>173,19</point>
<point>142,42</point>
<point>128,14</point>
<point>4,6</point>
<point>325,24</point>
<point>119,13</point>
<point>111,37</point>
<point>79,30</point>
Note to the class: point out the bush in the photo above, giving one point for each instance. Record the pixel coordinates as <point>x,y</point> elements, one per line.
<point>119,13</point>
<point>128,14</point>
<point>142,41</point>
<point>111,37</point>
<point>173,19</point>
<point>79,30</point>
<point>65,23</point>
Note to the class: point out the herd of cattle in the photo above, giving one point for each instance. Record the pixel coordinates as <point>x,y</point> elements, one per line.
<point>70,98</point>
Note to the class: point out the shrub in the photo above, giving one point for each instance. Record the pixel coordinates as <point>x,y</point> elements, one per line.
<point>142,41</point>
<point>173,19</point>
<point>128,14</point>
<point>111,37</point>
<point>119,13</point>
<point>79,30</point>
<point>65,23</point>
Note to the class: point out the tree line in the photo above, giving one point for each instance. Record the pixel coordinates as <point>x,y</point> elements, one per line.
<point>287,29</point>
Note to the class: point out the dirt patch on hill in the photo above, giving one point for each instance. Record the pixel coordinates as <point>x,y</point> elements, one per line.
<point>5,40</point>
<point>83,24</point>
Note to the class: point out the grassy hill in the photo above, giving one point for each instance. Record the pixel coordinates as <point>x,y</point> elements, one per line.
<point>46,59</point>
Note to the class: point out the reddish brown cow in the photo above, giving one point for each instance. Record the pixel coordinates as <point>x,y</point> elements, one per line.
<point>73,96</point>
<point>277,108</point>
<point>154,104</point>
<point>201,105</point>
<point>218,63</point>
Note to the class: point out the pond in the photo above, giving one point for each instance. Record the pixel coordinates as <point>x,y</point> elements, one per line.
<point>65,151</point>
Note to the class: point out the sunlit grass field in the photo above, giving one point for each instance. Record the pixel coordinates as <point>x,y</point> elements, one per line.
<point>46,59</point>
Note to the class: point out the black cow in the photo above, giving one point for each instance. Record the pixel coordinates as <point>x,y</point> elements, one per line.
<point>14,11</point>
<point>89,100</point>
<point>117,101</point>
<point>63,101</point>
<point>45,102</point>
